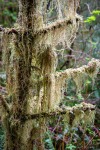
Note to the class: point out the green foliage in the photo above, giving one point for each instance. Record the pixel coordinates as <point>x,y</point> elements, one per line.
<point>90,19</point>
<point>8,12</point>
<point>96,12</point>
<point>80,97</point>
<point>70,147</point>
<point>93,16</point>
<point>48,141</point>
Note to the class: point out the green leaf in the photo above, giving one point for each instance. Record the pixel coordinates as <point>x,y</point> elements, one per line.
<point>96,12</point>
<point>80,97</point>
<point>90,19</point>
<point>70,147</point>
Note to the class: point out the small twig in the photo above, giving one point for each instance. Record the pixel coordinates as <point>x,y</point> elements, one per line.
<point>57,124</point>
<point>90,141</point>
<point>4,103</point>
<point>88,8</point>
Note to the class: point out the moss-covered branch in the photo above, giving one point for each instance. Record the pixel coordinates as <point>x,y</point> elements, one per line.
<point>82,113</point>
<point>91,69</point>
<point>8,30</point>
<point>54,25</point>
<point>78,75</point>
<point>62,31</point>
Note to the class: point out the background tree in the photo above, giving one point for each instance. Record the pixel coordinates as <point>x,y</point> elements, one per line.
<point>35,88</point>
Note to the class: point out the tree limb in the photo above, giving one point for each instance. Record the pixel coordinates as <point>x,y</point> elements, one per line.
<point>81,110</point>
<point>62,31</point>
<point>93,66</point>
<point>9,31</point>
<point>54,25</point>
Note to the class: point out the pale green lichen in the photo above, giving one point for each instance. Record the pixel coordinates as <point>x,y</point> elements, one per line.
<point>78,75</point>
<point>84,114</point>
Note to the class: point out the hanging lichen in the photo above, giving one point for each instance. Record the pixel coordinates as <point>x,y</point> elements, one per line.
<point>78,75</point>
<point>35,88</point>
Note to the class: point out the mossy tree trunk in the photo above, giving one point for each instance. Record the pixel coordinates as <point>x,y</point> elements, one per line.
<point>33,84</point>
<point>21,135</point>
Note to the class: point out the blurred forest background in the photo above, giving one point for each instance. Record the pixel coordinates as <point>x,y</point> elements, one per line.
<point>85,47</point>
